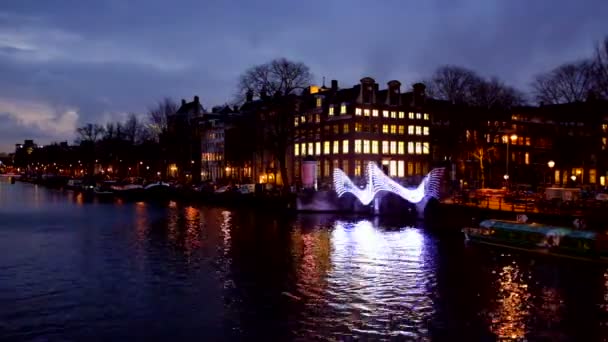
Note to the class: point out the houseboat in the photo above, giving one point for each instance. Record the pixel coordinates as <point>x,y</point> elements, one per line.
<point>541,239</point>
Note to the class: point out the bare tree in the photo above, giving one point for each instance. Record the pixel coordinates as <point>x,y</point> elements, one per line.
<point>134,130</point>
<point>494,93</point>
<point>460,85</point>
<point>283,78</point>
<point>600,65</point>
<point>568,83</point>
<point>89,133</point>
<point>452,83</point>
<point>279,75</point>
<point>157,116</point>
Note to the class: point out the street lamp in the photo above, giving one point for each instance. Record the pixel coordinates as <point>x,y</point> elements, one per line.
<point>513,138</point>
<point>550,164</point>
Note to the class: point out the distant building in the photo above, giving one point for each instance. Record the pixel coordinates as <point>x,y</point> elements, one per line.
<point>181,144</point>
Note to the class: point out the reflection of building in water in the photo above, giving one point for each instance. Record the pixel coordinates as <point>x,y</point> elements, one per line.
<point>510,318</point>
<point>311,252</point>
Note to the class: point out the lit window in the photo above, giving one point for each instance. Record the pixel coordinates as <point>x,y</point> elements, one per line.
<point>592,176</point>
<point>296,150</point>
<point>410,168</point>
<point>425,130</point>
<point>374,146</point>
<point>303,149</point>
<point>317,118</point>
<point>336,129</point>
<point>375,112</point>
<point>410,115</point>
<point>345,128</point>
<point>418,130</point>
<point>385,147</point>
<point>410,147</point>
<point>385,113</point>
<point>392,168</point>
<point>393,129</point>
<point>602,181</point>
<point>319,102</point>
<point>344,146</point>
<point>358,127</point>
<point>410,130</point>
<point>418,116</point>
<point>384,128</point>
<point>417,168</point>
<point>357,168</point>
<point>401,147</point>
<point>357,146</point>
<point>336,164</point>
<point>343,109</point>
<point>418,148</point>
<point>427,116</point>
<point>366,112</point>
<point>401,115</point>
<point>336,147</point>
<point>393,147</point>
<point>318,148</point>
<point>310,149</point>
<point>302,119</point>
<point>357,111</point>
<point>326,149</point>
<point>401,129</point>
<point>400,168</point>
<point>393,115</point>
<point>604,127</point>
<point>326,168</point>
<point>425,148</point>
<point>296,122</point>
<point>366,146</point>
<point>528,142</point>
<point>527,158</point>
<point>331,110</point>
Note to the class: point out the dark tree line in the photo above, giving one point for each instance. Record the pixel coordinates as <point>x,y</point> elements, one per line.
<point>463,86</point>
<point>575,81</point>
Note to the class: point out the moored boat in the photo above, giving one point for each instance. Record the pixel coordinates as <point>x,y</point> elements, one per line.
<point>540,238</point>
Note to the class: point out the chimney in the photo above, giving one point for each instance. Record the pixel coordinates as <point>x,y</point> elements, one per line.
<point>334,85</point>
<point>419,94</point>
<point>263,94</point>
<point>394,90</point>
<point>249,95</point>
<point>183,102</point>
<point>196,100</point>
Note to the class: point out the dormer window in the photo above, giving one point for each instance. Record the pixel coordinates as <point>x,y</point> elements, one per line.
<point>343,109</point>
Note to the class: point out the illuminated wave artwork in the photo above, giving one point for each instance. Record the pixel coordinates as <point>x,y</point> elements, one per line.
<point>378,181</point>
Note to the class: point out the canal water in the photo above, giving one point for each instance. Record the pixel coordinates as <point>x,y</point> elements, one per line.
<point>77,269</point>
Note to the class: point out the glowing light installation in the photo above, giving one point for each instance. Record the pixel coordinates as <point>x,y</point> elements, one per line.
<point>378,181</point>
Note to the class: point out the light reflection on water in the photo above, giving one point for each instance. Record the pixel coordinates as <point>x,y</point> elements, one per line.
<point>76,269</point>
<point>374,282</point>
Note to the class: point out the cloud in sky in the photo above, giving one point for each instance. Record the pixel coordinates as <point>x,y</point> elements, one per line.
<point>64,63</point>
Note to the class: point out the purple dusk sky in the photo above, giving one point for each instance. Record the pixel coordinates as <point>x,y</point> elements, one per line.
<point>66,62</point>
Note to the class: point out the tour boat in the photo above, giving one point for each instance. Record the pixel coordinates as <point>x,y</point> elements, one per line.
<point>540,238</point>
<point>128,190</point>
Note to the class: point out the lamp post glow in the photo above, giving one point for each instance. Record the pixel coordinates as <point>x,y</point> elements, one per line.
<point>513,138</point>
<point>550,164</point>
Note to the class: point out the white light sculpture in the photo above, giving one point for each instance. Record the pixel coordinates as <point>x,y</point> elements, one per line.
<point>378,181</point>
